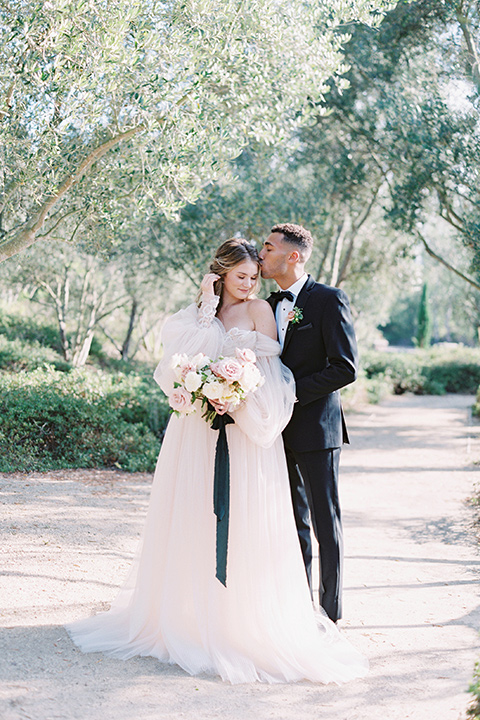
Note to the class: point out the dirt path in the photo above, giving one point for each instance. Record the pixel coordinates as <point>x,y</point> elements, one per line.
<point>411,586</point>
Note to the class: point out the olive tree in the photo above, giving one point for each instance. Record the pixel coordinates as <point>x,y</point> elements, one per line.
<point>114,109</point>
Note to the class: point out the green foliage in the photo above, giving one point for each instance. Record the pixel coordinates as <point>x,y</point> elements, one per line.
<point>476,407</point>
<point>400,329</point>
<point>363,390</point>
<point>433,372</point>
<point>16,355</point>
<point>473,712</point>
<point>26,344</point>
<point>30,329</point>
<point>397,153</point>
<point>81,418</point>
<point>107,115</point>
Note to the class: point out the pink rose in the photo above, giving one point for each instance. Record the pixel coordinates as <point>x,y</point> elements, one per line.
<point>229,369</point>
<point>188,367</point>
<point>245,355</point>
<point>181,401</point>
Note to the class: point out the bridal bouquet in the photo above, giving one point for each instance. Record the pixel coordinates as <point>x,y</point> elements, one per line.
<point>199,379</point>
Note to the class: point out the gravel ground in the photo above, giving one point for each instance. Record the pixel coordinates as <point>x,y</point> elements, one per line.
<point>411,585</point>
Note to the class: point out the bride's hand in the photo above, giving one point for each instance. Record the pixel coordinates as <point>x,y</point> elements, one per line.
<point>208,282</point>
<point>220,408</point>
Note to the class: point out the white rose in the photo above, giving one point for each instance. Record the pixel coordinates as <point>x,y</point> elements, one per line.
<point>213,390</point>
<point>192,381</point>
<point>177,361</point>
<point>200,360</point>
<point>251,378</point>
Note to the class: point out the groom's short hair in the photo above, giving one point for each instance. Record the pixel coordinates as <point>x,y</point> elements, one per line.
<point>296,235</point>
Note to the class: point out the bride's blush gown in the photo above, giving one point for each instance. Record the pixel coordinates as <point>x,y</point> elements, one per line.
<point>262,626</point>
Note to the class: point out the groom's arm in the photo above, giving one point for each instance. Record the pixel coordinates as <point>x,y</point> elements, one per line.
<point>341,348</point>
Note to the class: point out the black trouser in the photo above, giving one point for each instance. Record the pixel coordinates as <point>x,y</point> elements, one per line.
<point>313,484</point>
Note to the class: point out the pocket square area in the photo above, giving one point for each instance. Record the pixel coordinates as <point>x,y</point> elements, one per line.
<point>304,327</point>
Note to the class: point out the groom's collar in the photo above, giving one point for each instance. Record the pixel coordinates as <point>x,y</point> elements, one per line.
<point>298,285</point>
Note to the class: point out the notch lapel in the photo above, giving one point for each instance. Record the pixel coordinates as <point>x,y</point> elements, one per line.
<point>300,302</point>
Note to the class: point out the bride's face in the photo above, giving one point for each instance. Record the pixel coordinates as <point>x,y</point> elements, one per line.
<point>240,281</point>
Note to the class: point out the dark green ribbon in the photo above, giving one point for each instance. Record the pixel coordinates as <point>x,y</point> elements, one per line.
<point>221,493</point>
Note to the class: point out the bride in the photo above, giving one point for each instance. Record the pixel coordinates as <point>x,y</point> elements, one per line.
<point>261,626</point>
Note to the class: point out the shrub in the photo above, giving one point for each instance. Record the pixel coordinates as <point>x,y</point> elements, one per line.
<point>454,377</point>
<point>29,329</point>
<point>16,355</point>
<point>476,407</point>
<point>365,391</point>
<point>81,418</point>
<point>473,712</point>
<point>29,335</point>
<point>433,372</point>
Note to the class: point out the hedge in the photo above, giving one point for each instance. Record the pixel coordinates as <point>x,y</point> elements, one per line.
<point>432,372</point>
<point>81,418</point>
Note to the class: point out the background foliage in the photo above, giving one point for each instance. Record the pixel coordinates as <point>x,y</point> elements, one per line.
<point>137,136</point>
<point>79,418</point>
<point>114,110</point>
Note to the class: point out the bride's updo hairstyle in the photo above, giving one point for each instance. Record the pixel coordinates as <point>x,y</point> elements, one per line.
<point>231,253</point>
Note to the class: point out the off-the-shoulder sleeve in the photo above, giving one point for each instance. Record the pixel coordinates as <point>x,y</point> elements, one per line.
<point>265,413</point>
<point>186,332</point>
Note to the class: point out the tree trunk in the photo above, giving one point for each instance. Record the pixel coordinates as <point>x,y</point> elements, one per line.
<point>338,251</point>
<point>473,57</point>
<point>83,352</point>
<point>131,326</point>
<point>83,345</point>
<point>60,299</point>
<point>62,318</point>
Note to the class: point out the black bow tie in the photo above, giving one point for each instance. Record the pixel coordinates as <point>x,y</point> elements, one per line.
<point>276,297</point>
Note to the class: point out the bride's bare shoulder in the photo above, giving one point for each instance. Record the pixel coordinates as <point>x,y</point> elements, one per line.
<point>262,316</point>
<point>259,307</point>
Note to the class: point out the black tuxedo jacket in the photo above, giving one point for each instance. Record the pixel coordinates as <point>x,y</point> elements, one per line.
<point>321,352</point>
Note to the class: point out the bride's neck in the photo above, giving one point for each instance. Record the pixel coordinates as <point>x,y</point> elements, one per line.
<point>229,301</point>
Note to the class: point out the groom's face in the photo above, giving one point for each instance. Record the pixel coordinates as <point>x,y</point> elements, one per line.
<point>274,256</point>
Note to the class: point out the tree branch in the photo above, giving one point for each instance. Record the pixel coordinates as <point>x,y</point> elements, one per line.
<point>361,218</point>
<point>8,100</point>
<point>446,264</point>
<point>117,347</point>
<point>70,212</point>
<point>28,234</point>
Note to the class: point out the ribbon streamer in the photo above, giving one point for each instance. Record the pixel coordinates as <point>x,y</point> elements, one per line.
<point>221,494</point>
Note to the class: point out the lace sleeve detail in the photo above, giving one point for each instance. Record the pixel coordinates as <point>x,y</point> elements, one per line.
<point>207,309</point>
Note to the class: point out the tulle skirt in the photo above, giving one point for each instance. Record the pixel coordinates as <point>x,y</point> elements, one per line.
<point>262,626</point>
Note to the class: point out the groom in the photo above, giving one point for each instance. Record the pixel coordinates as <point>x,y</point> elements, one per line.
<point>318,345</point>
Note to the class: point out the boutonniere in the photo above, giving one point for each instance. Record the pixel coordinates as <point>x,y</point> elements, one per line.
<point>295,315</point>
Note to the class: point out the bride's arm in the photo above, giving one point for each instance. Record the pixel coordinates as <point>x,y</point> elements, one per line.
<point>190,331</point>
<point>266,412</point>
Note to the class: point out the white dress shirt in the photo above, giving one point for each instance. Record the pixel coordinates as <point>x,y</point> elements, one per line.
<point>285,306</point>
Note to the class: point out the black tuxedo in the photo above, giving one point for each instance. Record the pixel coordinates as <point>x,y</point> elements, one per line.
<point>321,352</point>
